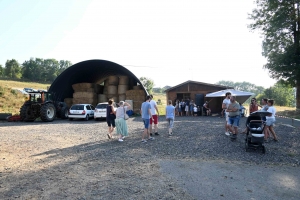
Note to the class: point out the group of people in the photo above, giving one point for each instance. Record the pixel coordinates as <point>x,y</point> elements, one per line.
<point>189,108</point>
<point>149,112</point>
<point>116,119</point>
<point>232,115</point>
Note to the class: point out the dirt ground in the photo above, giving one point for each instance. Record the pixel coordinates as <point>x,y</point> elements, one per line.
<point>75,160</point>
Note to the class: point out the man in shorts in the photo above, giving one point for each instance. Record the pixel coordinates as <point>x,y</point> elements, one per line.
<point>146,115</point>
<point>225,104</point>
<point>233,111</point>
<point>155,114</point>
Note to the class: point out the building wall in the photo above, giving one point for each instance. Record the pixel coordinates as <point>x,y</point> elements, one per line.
<point>193,88</point>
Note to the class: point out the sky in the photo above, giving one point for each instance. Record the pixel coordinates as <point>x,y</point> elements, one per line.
<point>169,41</point>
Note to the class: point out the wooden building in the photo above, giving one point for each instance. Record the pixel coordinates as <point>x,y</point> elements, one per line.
<point>196,91</point>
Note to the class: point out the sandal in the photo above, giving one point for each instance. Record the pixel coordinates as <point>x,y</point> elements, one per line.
<point>109,137</point>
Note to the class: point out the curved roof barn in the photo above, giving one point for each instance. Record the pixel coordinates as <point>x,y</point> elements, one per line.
<point>90,71</point>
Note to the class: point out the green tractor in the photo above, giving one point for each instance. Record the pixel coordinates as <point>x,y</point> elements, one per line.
<point>43,105</point>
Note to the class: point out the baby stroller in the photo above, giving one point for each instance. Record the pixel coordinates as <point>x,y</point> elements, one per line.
<point>255,134</point>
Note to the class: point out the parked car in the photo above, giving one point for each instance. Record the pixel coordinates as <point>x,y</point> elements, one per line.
<point>81,111</point>
<point>100,110</point>
<point>28,90</point>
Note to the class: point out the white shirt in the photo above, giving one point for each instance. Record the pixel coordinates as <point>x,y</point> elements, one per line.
<point>195,109</point>
<point>226,102</point>
<point>272,110</point>
<point>153,104</point>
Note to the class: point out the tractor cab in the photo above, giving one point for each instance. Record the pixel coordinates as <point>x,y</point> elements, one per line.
<point>40,97</point>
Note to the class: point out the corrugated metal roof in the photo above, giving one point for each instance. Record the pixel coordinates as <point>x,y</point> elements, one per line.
<point>189,81</point>
<point>89,71</point>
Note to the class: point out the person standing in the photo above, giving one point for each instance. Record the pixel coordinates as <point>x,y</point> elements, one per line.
<point>264,107</point>
<point>225,104</point>
<point>182,107</point>
<point>192,107</point>
<point>155,114</point>
<point>270,120</point>
<point>253,106</point>
<point>170,116</point>
<point>110,118</point>
<point>176,107</point>
<point>146,116</point>
<point>121,124</point>
<point>187,107</point>
<point>179,108</point>
<point>233,111</point>
<point>206,108</point>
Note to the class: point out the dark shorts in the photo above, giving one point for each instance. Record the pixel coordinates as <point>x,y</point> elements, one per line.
<point>111,122</point>
<point>155,119</point>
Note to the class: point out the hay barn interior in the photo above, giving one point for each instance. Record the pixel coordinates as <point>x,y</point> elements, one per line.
<point>96,81</point>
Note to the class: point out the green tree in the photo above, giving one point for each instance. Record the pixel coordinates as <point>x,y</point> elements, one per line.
<point>12,69</point>
<point>147,83</point>
<point>243,86</point>
<point>1,71</point>
<point>279,22</point>
<point>281,93</point>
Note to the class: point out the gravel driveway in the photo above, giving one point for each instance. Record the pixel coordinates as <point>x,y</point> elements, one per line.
<point>75,160</point>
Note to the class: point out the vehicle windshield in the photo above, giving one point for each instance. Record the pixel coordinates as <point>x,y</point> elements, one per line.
<point>77,107</point>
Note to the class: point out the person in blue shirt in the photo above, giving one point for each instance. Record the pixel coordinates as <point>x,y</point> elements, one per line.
<point>170,115</point>
<point>146,115</point>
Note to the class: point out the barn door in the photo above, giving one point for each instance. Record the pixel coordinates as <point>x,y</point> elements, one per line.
<point>199,99</point>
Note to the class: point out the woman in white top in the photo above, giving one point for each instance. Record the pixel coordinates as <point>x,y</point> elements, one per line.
<point>270,120</point>
<point>121,124</point>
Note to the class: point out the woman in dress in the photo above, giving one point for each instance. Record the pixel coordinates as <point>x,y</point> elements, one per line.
<point>110,118</point>
<point>170,116</point>
<point>121,124</point>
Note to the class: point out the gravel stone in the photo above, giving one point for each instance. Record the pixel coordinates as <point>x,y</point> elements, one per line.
<point>75,159</point>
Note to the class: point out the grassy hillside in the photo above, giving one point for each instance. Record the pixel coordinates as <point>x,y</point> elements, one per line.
<point>11,100</point>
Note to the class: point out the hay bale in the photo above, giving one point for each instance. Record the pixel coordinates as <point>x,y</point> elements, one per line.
<point>113,80</point>
<point>102,98</point>
<point>122,97</point>
<point>137,87</point>
<point>122,89</point>
<point>112,89</point>
<point>123,80</point>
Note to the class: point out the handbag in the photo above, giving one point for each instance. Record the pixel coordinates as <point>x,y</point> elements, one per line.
<point>125,115</point>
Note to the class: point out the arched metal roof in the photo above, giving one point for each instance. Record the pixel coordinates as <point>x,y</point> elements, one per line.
<point>89,71</point>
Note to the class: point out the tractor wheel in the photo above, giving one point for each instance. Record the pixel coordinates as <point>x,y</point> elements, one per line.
<point>26,113</point>
<point>48,112</point>
<point>64,113</point>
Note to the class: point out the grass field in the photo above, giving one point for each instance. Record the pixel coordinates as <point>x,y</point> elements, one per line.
<point>11,100</point>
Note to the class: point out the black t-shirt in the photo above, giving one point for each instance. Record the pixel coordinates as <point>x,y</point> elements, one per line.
<point>109,112</point>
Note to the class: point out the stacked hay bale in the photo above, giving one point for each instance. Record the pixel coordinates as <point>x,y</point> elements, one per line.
<point>138,97</point>
<point>112,88</point>
<point>85,93</point>
<point>123,87</point>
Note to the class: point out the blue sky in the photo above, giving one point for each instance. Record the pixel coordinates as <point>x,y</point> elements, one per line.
<point>169,41</point>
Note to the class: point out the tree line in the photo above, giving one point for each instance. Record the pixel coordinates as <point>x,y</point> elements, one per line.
<point>279,23</point>
<point>35,69</point>
<point>283,94</point>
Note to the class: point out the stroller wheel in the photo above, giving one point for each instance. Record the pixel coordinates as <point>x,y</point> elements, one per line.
<point>263,149</point>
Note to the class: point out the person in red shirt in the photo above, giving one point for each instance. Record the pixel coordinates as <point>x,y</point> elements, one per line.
<point>253,106</point>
